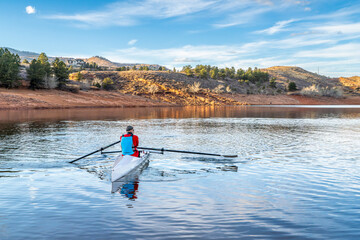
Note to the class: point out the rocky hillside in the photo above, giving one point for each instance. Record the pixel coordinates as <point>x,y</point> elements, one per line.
<point>352,82</point>
<point>301,77</point>
<point>164,86</point>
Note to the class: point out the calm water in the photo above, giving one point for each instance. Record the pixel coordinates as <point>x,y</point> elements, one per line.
<point>297,175</point>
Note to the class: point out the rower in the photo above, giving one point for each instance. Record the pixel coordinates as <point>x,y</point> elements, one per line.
<point>129,142</point>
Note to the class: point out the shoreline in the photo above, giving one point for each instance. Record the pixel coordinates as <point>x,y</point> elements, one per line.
<point>24,99</point>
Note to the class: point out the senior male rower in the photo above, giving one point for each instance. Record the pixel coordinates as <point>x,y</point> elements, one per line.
<point>129,142</point>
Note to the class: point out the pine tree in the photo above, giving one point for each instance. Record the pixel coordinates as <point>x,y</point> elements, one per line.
<point>44,61</point>
<point>36,73</point>
<point>9,68</point>
<point>61,72</point>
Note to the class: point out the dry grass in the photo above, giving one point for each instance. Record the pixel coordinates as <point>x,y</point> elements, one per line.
<point>318,91</point>
<point>195,88</point>
<point>351,82</point>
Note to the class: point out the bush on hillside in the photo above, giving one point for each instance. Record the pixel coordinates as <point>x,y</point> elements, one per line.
<point>195,87</point>
<point>315,90</point>
<point>219,89</point>
<point>292,86</point>
<point>108,84</point>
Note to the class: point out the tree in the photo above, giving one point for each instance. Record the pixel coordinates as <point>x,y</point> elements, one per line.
<point>9,68</point>
<point>43,58</point>
<point>25,61</point>
<point>61,72</point>
<point>174,69</point>
<point>203,73</point>
<point>44,61</point>
<point>36,73</point>
<point>240,74</point>
<point>292,86</point>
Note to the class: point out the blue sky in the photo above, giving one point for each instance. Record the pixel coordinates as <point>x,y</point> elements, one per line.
<point>320,34</point>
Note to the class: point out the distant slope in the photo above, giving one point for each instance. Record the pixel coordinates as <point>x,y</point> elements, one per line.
<point>103,62</point>
<point>100,61</point>
<point>301,77</point>
<point>352,82</point>
<point>24,54</point>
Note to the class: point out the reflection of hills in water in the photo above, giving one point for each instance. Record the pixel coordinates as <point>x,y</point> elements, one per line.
<point>177,112</point>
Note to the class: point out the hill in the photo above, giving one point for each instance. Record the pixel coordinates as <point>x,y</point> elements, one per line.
<point>24,54</point>
<point>103,62</point>
<point>100,61</point>
<point>302,78</point>
<point>352,82</point>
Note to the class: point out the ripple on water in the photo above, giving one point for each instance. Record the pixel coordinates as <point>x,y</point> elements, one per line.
<point>294,178</point>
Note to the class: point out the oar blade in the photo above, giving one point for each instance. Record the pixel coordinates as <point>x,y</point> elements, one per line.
<point>230,156</point>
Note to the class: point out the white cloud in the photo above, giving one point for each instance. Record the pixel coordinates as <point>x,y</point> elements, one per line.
<point>130,12</point>
<point>241,18</point>
<point>132,42</point>
<point>349,51</point>
<point>350,28</point>
<point>30,10</point>
<point>278,27</point>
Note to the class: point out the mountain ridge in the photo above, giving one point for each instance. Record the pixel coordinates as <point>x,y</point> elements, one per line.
<point>99,60</point>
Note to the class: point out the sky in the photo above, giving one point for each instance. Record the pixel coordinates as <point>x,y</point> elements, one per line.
<point>319,36</point>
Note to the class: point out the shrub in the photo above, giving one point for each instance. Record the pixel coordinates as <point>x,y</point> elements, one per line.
<point>315,90</point>
<point>195,87</point>
<point>292,86</point>
<point>108,84</point>
<point>153,89</point>
<point>219,89</point>
<point>78,76</point>
<point>228,89</point>
<point>272,83</point>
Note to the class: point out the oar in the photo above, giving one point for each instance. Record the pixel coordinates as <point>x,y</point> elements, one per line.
<point>178,151</point>
<point>95,152</point>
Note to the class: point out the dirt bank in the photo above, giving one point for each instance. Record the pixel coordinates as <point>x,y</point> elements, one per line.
<point>54,99</point>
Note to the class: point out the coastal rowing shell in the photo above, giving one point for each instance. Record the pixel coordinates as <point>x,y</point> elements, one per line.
<point>124,165</point>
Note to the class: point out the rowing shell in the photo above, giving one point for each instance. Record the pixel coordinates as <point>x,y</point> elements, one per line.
<point>125,165</point>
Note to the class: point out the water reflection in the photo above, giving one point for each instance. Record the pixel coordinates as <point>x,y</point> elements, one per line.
<point>7,116</point>
<point>294,179</point>
<point>127,189</point>
<point>128,186</point>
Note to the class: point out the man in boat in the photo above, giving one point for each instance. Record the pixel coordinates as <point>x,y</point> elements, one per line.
<point>129,143</point>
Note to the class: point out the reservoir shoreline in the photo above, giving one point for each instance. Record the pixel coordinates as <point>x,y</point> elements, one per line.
<point>24,99</point>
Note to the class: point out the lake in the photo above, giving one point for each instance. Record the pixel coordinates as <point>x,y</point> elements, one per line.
<point>297,175</point>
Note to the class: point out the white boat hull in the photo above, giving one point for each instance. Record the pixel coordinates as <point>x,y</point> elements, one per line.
<point>125,165</point>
